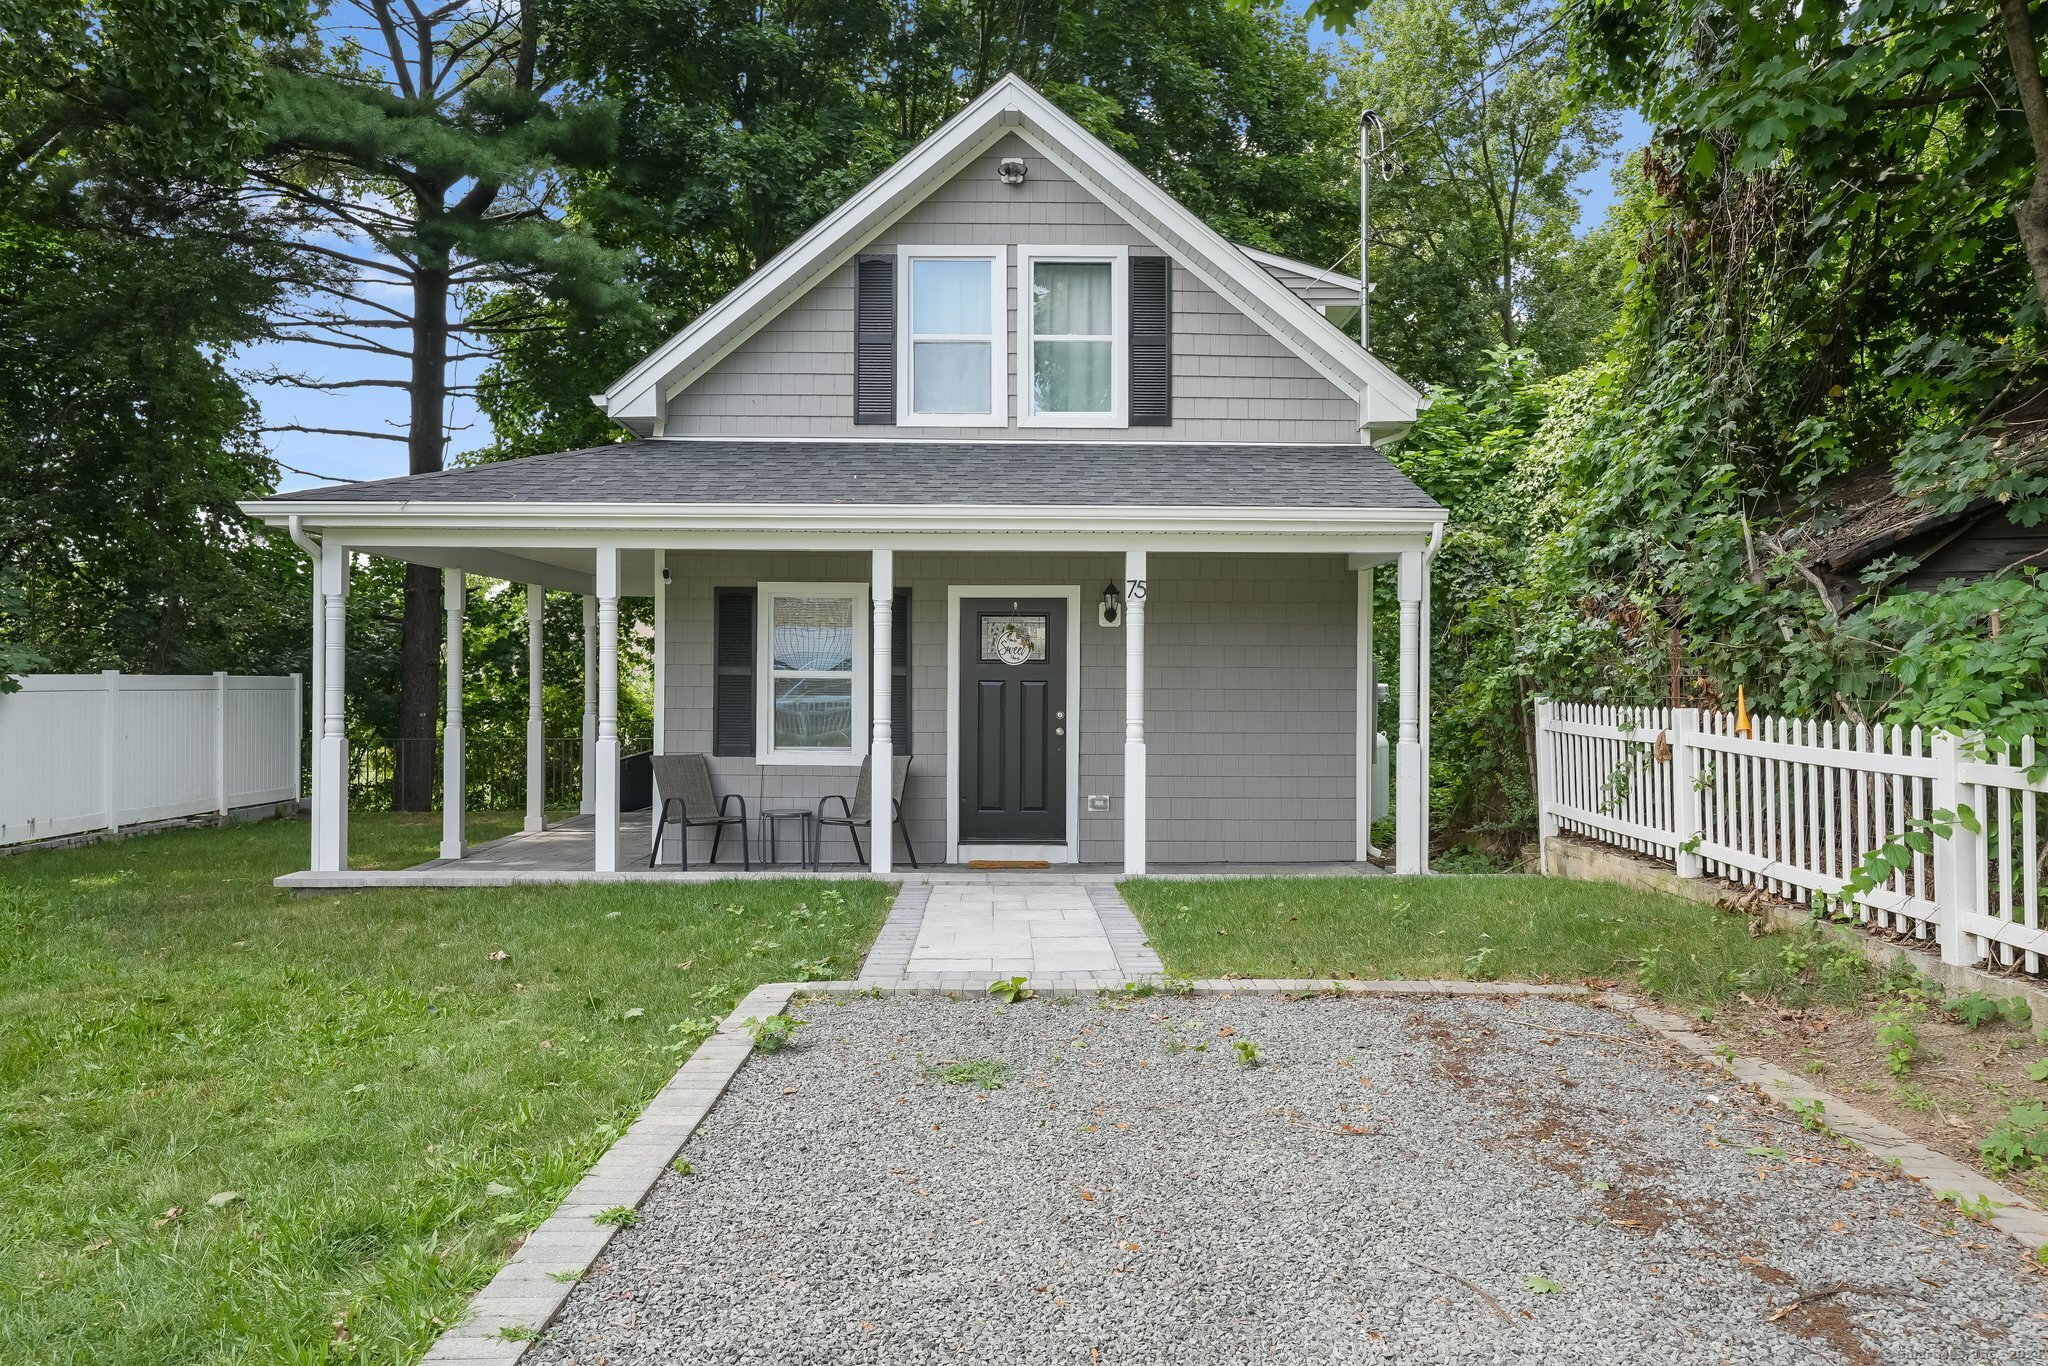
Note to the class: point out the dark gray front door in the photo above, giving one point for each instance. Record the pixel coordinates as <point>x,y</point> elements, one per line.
<point>1013,720</point>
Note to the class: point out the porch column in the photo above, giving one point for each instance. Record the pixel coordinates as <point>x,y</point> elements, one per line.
<point>882,744</point>
<point>586,802</point>
<point>330,802</point>
<point>660,648</point>
<point>454,796</point>
<point>1134,713</point>
<point>606,751</point>
<point>1368,718</point>
<point>536,722</point>
<point>317,711</point>
<point>1411,783</point>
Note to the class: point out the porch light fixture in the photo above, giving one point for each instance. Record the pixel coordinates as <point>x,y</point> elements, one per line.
<point>1111,611</point>
<point>666,577</point>
<point>1012,170</point>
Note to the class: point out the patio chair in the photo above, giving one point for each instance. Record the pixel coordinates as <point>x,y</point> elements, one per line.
<point>682,782</point>
<point>855,815</point>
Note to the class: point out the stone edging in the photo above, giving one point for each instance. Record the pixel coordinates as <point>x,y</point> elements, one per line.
<point>2017,1216</point>
<point>525,1295</point>
<point>530,1289</point>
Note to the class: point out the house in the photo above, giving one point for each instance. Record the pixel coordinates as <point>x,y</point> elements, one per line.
<point>1010,465</point>
<point>1855,522</point>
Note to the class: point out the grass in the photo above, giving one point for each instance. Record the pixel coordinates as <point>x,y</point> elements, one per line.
<point>1507,928</point>
<point>240,1127</point>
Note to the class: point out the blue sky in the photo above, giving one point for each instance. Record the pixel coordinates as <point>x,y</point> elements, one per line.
<point>313,459</point>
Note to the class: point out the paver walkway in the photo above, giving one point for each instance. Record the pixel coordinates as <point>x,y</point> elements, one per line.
<point>1053,931</point>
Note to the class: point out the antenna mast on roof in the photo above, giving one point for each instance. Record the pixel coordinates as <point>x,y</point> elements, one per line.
<point>1368,124</point>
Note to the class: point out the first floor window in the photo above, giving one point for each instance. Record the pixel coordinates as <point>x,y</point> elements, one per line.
<point>814,661</point>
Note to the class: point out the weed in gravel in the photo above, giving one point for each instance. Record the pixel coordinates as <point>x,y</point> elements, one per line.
<point>773,1034</point>
<point>1813,1114</point>
<point>519,1332</point>
<point>2019,1142</point>
<point>984,1074</point>
<point>1010,990</point>
<point>1542,1285</point>
<point>1248,1053</point>
<point>1978,1208</point>
<point>620,1216</point>
<point>681,1167</point>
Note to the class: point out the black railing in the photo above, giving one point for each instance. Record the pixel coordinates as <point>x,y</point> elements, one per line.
<point>494,771</point>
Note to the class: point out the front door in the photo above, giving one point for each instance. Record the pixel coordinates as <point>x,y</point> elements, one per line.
<point>1013,721</point>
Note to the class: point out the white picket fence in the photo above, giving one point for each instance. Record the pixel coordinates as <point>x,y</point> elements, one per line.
<point>86,752</point>
<point>1795,806</point>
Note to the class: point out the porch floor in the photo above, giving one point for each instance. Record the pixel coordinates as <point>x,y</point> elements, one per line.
<point>566,852</point>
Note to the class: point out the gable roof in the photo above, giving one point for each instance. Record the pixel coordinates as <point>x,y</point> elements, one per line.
<point>1387,402</point>
<point>1323,287</point>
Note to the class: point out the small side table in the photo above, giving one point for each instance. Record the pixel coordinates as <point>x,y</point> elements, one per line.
<point>805,818</point>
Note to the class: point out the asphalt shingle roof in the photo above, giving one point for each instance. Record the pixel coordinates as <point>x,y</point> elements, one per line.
<point>935,473</point>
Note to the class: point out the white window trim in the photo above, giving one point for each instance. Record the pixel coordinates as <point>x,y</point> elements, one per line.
<point>998,341</point>
<point>765,751</point>
<point>1119,259</point>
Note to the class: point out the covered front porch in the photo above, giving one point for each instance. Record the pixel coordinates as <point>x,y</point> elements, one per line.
<point>1109,688</point>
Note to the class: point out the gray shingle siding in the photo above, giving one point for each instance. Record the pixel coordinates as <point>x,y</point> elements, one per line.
<point>1251,672</point>
<point>1232,380</point>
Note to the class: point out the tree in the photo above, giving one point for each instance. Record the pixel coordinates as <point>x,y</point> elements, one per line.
<point>419,155</point>
<point>1474,225</point>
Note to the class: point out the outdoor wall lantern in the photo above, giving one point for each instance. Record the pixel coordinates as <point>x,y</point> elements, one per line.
<point>1111,611</point>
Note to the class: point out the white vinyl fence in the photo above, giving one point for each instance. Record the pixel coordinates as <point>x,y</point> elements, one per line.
<point>1795,807</point>
<point>85,752</point>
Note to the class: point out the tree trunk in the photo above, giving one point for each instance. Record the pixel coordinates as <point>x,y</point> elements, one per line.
<point>419,676</point>
<point>2031,214</point>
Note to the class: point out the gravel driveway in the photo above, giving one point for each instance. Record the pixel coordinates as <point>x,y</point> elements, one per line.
<point>1421,1180</point>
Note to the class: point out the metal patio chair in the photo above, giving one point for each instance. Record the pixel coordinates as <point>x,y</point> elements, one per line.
<point>855,815</point>
<point>682,783</point>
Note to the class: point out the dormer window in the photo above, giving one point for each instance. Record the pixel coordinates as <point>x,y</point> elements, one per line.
<point>1073,331</point>
<point>952,352</point>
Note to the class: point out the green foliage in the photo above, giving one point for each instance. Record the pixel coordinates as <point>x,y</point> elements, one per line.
<point>983,1074</point>
<point>1976,1208</point>
<point>773,1033</point>
<point>1975,1010</point>
<point>1010,990</point>
<point>1963,677</point>
<point>2019,1141</point>
<point>1895,1034</point>
<point>1249,1054</point>
<point>618,1216</point>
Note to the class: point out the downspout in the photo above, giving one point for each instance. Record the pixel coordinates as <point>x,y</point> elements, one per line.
<point>318,672</point>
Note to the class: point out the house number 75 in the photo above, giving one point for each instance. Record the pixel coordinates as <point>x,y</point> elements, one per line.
<point>1134,589</point>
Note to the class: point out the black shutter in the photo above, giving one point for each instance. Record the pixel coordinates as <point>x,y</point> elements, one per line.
<point>899,672</point>
<point>874,340</point>
<point>1151,320</point>
<point>732,723</point>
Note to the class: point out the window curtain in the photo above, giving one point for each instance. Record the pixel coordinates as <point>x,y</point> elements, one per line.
<point>1071,299</point>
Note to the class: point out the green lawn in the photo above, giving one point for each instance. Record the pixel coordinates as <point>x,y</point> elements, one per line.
<point>1508,928</point>
<point>240,1127</point>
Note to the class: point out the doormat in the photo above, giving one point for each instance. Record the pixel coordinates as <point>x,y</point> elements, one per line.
<point>1008,863</point>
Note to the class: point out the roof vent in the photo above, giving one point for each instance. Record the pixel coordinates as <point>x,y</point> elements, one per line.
<point>1012,170</point>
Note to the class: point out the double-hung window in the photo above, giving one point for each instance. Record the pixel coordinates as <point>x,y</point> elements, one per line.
<point>814,662</point>
<point>952,337</point>
<point>1072,311</point>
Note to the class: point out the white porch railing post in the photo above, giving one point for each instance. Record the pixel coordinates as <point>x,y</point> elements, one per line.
<point>330,804</point>
<point>1411,792</point>
<point>606,756</point>
<point>536,721</point>
<point>454,785</point>
<point>882,742</point>
<point>1135,593</point>
<point>660,668</point>
<point>110,745</point>
<point>1956,858</point>
<point>1546,782</point>
<point>586,801</point>
<point>220,745</point>
<point>1685,790</point>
